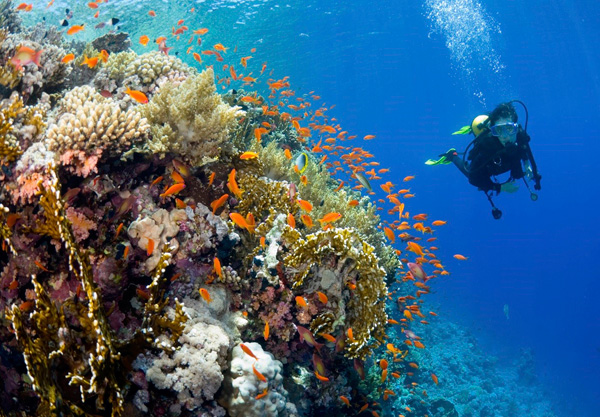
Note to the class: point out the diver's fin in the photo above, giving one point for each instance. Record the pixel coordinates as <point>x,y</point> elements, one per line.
<point>446,158</point>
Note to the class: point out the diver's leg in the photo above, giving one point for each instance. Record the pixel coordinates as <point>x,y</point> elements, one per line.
<point>459,163</point>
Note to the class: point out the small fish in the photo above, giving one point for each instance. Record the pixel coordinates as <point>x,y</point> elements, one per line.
<point>25,56</point>
<point>220,47</point>
<point>11,219</point>
<point>247,351</point>
<point>239,220</point>
<point>218,202</point>
<point>106,93</point>
<point>363,180</point>
<point>350,335</point>
<point>266,331</point>
<point>306,220</point>
<point>205,295</point>
<point>232,184</point>
<point>119,228</point>
<point>328,337</point>
<point>152,13</point>
<point>389,233</point>
<point>211,179</point>
<point>434,378</point>
<point>301,162</point>
<point>150,247</point>
<point>408,178</point>
<point>202,31</point>
<point>103,55</point>
<point>75,28</point>
<point>345,400</point>
<point>249,155</point>
<point>217,267</point>
<point>301,301</point>
<point>353,203</point>
<point>262,394</point>
<point>68,58</point>
<point>90,62</point>
<point>307,336</point>
<point>287,153</point>
<point>42,267</point>
<point>369,137</point>
<point>144,39</point>
<point>111,22</point>
<point>260,376</point>
<point>322,297</point>
<point>460,257</point>
<point>330,218</point>
<point>13,285</point>
<point>305,205</point>
<point>137,95</point>
<point>172,190</point>
<point>383,364</point>
<point>321,377</point>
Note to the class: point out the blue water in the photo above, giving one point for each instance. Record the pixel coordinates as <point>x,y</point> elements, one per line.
<point>394,71</point>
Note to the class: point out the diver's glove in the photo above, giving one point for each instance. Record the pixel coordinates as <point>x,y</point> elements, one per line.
<point>509,187</point>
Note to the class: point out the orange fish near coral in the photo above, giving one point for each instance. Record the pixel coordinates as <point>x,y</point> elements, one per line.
<point>266,331</point>
<point>330,218</point>
<point>74,29</point>
<point>260,376</point>
<point>90,62</point>
<point>144,39</point>
<point>217,267</point>
<point>205,295</point>
<point>67,58</point>
<point>300,301</point>
<point>173,189</point>
<point>137,95</point>
<point>219,202</point>
<point>26,56</point>
<point>247,351</point>
<point>232,184</point>
<point>249,155</point>
<point>322,297</point>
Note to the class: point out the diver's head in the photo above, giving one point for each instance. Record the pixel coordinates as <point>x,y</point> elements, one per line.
<point>503,123</point>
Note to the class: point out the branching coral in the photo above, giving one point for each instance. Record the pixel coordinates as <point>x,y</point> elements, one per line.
<point>355,263</point>
<point>88,122</point>
<point>190,120</point>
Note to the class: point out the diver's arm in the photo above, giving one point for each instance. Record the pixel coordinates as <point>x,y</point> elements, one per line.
<point>524,140</point>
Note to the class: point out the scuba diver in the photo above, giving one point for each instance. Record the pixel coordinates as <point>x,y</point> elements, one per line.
<point>500,145</point>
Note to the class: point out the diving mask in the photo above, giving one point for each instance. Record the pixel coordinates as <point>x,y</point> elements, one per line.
<point>504,129</point>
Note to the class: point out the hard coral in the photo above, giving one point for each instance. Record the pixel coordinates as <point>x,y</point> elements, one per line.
<point>87,121</point>
<point>190,120</point>
<point>329,260</point>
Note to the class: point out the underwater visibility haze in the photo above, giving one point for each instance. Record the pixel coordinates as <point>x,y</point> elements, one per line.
<point>224,208</point>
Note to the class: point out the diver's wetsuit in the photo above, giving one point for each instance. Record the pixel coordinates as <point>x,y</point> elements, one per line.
<point>489,158</point>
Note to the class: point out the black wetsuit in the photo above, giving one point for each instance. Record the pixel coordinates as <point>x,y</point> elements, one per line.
<point>489,158</point>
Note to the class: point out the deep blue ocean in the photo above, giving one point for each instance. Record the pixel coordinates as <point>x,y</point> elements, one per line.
<point>412,73</point>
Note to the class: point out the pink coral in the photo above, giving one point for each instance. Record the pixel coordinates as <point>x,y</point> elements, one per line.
<point>81,224</point>
<point>81,163</point>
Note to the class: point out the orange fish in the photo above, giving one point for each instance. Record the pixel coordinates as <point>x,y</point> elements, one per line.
<point>301,301</point>
<point>389,233</point>
<point>217,267</point>
<point>144,39</point>
<point>306,220</point>
<point>197,57</point>
<point>74,29</point>
<point>249,155</point>
<point>287,153</point>
<point>173,189</point>
<point>262,394</point>
<point>306,205</point>
<point>152,13</point>
<point>219,202</point>
<point>383,364</point>
<point>434,378</point>
<point>90,62</point>
<point>93,5</point>
<point>330,218</point>
<point>202,31</point>
<point>291,221</point>
<point>11,219</point>
<point>460,257</point>
<point>26,306</point>
<point>328,337</point>
<point>119,228</point>
<point>369,137</point>
<point>322,297</point>
<point>232,184</point>
<point>13,285</point>
<point>126,252</point>
<point>350,335</point>
<point>176,176</point>
<point>266,331</point>
<point>418,344</point>
<point>137,95</point>
<point>239,220</point>
<point>353,203</point>
<point>247,351</point>
<point>211,178</point>
<point>408,178</point>
<point>205,295</point>
<point>345,400</point>
<point>150,247</point>
<point>68,58</point>
<point>438,223</point>
<point>321,377</point>
<point>260,376</point>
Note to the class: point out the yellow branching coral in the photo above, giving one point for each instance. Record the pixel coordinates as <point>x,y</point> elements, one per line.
<point>190,119</point>
<point>356,264</point>
<point>9,144</point>
<point>88,354</point>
